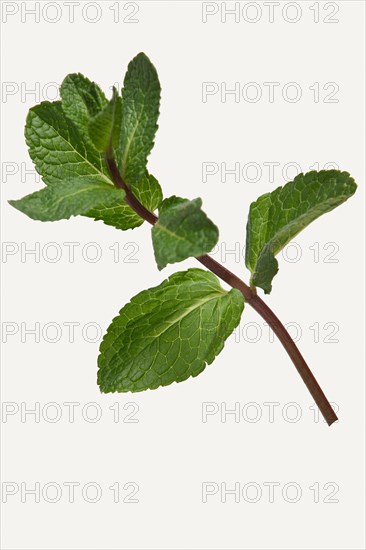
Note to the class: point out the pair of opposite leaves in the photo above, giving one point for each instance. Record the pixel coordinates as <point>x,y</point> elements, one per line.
<point>172,331</point>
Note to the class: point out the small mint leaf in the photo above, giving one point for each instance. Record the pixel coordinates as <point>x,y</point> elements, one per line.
<point>182,230</point>
<point>275,218</point>
<point>105,127</point>
<point>81,100</point>
<point>140,111</point>
<point>66,199</point>
<point>168,333</point>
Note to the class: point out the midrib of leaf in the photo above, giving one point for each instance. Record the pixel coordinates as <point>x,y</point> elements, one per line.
<point>174,321</point>
<point>295,222</point>
<point>97,170</point>
<point>114,207</point>
<point>129,141</point>
<point>175,235</point>
<point>91,188</point>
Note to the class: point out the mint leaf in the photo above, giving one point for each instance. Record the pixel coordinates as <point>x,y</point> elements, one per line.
<point>81,100</point>
<point>140,108</point>
<point>120,215</point>
<point>76,171</point>
<point>105,127</point>
<point>275,218</point>
<point>182,230</point>
<point>168,333</point>
<point>58,149</point>
<point>67,198</point>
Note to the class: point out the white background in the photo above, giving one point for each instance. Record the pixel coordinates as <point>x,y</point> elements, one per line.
<point>170,452</point>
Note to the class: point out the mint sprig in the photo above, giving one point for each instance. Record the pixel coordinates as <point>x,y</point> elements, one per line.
<point>92,155</point>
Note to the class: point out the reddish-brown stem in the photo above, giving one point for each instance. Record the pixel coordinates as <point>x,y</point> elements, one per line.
<point>250,297</point>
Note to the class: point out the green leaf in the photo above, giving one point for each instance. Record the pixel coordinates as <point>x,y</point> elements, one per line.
<point>120,215</point>
<point>275,218</point>
<point>75,172</point>
<point>65,158</point>
<point>105,127</point>
<point>67,198</point>
<point>182,230</point>
<point>168,333</point>
<point>140,107</point>
<point>81,100</point>
<point>59,151</point>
